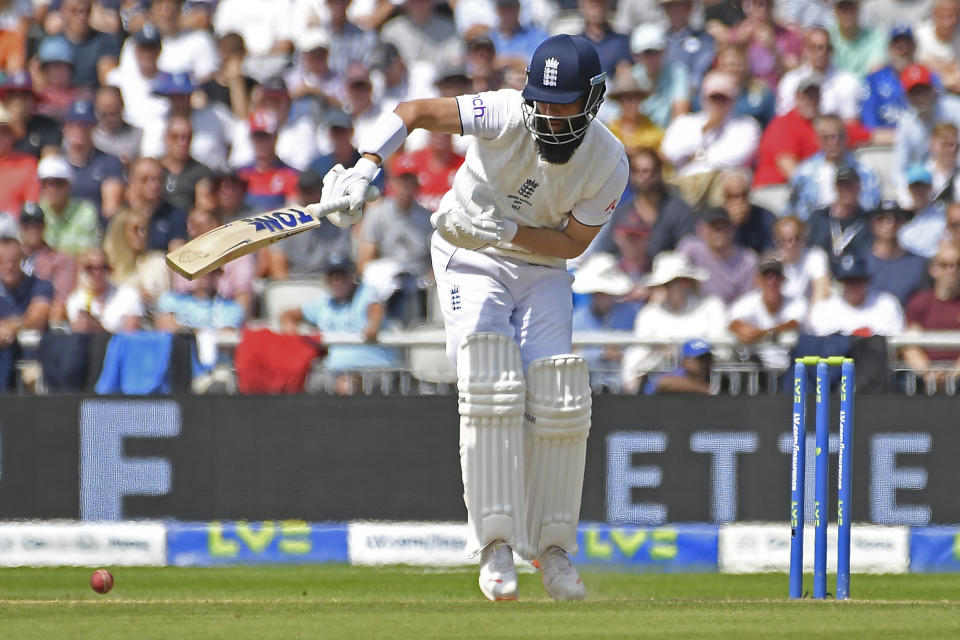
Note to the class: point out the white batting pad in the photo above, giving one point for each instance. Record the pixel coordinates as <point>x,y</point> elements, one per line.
<point>556,428</point>
<point>490,382</point>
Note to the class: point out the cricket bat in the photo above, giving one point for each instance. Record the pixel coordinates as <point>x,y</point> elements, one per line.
<point>219,246</point>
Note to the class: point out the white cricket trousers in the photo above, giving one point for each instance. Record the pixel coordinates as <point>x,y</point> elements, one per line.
<point>478,292</point>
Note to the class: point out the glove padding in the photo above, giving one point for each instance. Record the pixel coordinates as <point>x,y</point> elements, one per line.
<point>350,183</point>
<point>480,225</point>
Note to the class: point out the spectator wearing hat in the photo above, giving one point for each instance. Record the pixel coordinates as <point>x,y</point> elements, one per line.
<point>181,172</point>
<point>72,224</point>
<point>891,267</point>
<point>813,183</point>
<point>806,268</point>
<point>857,49</point>
<point>857,309</point>
<point>210,133</point>
<point>839,89</point>
<point>450,81</point>
<point>670,96</point>
<point>936,309</point>
<point>141,106</point>
<point>633,127</point>
<point>678,311</point>
<point>514,41</point>
<point>883,100</point>
<point>691,376</point>
<point>730,267</point>
<point>923,233</point>
<point>612,47</point>
<point>759,317</point>
<point>296,130</point>
<point>306,254</point>
<point>422,34</point>
<point>45,262</point>
<point>97,176</point>
<point>789,138</point>
<point>752,224</point>
<point>348,42</point>
<point>185,50</point>
<point>841,228</point>
<point>24,304</point>
<point>228,89</point>
<point>270,182</point>
<point>346,308</point>
<point>97,305</point>
<point>928,108</point>
<point>312,77</point>
<point>394,251</point>
<point>55,58</point>
<point>340,134</point>
<point>703,143</point>
<point>665,216</point>
<point>693,48</point>
<point>94,53</point>
<point>18,170</point>
<point>771,48</point>
<point>236,281</point>
<point>114,135</point>
<point>754,98</point>
<point>600,278</point>
<point>938,42</point>
<point>33,132</point>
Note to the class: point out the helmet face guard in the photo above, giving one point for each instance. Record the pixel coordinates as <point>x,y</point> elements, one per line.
<point>575,126</point>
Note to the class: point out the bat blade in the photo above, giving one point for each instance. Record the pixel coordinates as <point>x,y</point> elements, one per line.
<point>218,246</point>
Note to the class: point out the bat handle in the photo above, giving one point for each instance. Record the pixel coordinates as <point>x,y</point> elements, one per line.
<point>321,210</point>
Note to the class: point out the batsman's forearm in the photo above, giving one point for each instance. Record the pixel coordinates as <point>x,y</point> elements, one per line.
<point>548,242</point>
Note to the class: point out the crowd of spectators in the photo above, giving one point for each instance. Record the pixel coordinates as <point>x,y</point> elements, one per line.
<point>130,126</point>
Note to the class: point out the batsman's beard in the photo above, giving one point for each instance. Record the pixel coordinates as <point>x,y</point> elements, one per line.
<point>560,152</point>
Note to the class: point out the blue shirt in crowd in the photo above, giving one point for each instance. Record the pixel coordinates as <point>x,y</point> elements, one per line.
<point>694,49</point>
<point>201,313</point>
<point>349,316</point>
<point>14,302</point>
<point>88,178</point>
<point>902,276</point>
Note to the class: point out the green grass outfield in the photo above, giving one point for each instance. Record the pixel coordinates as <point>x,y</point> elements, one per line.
<point>336,601</point>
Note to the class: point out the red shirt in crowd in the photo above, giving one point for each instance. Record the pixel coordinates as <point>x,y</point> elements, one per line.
<point>269,188</point>
<point>18,182</point>
<point>926,311</point>
<point>793,134</point>
<point>435,178</point>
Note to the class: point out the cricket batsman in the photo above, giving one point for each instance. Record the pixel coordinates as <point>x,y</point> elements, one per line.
<point>540,179</point>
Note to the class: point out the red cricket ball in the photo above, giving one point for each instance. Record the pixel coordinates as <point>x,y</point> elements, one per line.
<point>101,581</point>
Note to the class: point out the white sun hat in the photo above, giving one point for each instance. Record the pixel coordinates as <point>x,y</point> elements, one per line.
<point>600,273</point>
<point>669,266</point>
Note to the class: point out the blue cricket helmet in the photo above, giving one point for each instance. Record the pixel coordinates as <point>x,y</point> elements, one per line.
<point>562,70</point>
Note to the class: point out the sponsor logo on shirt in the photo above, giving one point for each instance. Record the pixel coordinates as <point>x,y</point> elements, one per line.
<point>478,107</point>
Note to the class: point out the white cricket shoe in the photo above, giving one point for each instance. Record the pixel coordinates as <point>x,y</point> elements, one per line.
<point>498,575</point>
<point>560,577</point>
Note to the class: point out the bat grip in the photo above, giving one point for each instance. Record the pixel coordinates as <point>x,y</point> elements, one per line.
<point>321,210</point>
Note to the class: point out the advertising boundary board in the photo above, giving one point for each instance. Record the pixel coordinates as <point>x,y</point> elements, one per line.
<point>650,461</point>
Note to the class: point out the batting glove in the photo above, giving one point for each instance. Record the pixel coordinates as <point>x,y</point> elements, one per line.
<point>349,183</point>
